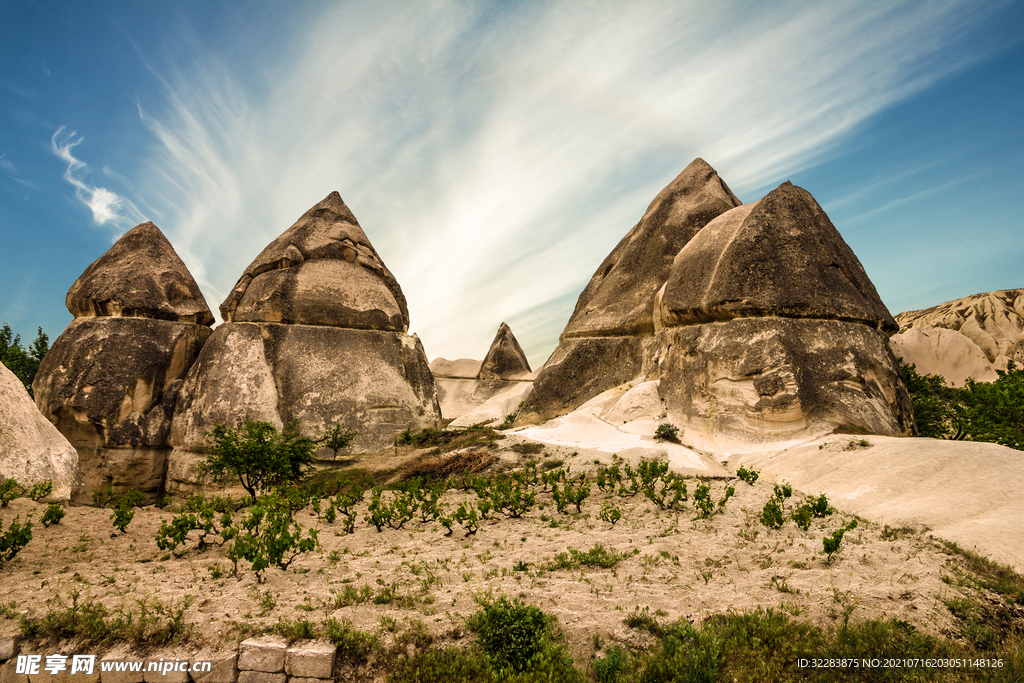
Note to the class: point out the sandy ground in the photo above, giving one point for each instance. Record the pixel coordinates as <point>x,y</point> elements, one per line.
<point>677,566</point>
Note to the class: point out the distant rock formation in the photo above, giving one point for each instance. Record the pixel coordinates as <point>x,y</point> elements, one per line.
<point>31,449</point>
<point>314,331</point>
<point>110,381</point>
<point>471,391</point>
<point>763,327</point>
<point>969,338</point>
<point>602,344</point>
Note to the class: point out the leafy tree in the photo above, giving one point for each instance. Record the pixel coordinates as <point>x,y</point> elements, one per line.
<point>938,409</point>
<point>24,364</point>
<point>258,455</point>
<point>338,438</point>
<point>995,410</point>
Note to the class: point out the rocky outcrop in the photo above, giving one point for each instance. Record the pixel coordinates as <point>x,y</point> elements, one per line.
<point>110,381</point>
<point>771,330</point>
<point>31,449</point>
<point>505,359</point>
<point>471,391</point>
<point>315,332</point>
<point>603,342</point>
<point>969,338</point>
<point>763,327</point>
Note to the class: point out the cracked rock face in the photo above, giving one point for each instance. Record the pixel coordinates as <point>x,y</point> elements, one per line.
<point>505,359</point>
<point>314,331</point>
<point>110,381</point>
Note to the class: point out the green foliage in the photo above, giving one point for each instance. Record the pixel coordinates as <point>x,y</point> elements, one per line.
<point>748,475</point>
<point>667,432</point>
<point>353,645</point>
<point>598,556</point>
<point>831,544</point>
<point>810,509</point>
<point>258,455</point>
<point>510,633</point>
<point>772,515</point>
<point>23,363</point>
<point>40,490</point>
<point>980,411</point>
<point>612,666</point>
<point>706,507</point>
<point>124,512</point>
<point>609,513</point>
<point>147,623</point>
<point>9,490</point>
<point>54,513</point>
<point>268,535</point>
<point>510,495</point>
<point>14,539</point>
<point>210,517</point>
<point>685,654</point>
<point>389,508</point>
<point>338,438</point>
<point>574,492</point>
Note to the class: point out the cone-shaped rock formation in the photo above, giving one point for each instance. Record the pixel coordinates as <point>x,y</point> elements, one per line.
<point>762,326</point>
<point>602,344</point>
<point>314,332</point>
<point>111,379</point>
<point>505,359</point>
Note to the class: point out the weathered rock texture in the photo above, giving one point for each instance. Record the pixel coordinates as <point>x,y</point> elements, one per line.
<point>110,381</point>
<point>602,344</point>
<point>31,449</point>
<point>471,391</point>
<point>969,338</point>
<point>764,327</point>
<point>315,332</point>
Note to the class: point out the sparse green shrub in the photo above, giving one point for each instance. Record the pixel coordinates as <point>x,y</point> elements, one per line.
<point>345,502</point>
<point>748,475</point>
<point>509,495</point>
<point>612,666</point>
<point>685,654</point>
<point>338,438</point>
<point>706,507</point>
<point>771,515</point>
<point>258,455</point>
<point>267,535</point>
<point>393,510</point>
<point>610,513</point>
<point>574,491</point>
<point>598,556</point>
<point>40,490</point>
<point>23,363</point>
<point>212,518</point>
<point>667,432</point>
<point>802,516</point>
<point>54,513</point>
<point>832,543</point>
<point>14,539</point>
<point>9,490</point>
<point>353,645</point>
<point>124,512</point>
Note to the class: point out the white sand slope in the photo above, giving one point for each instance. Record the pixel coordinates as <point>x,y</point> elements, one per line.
<point>970,493</point>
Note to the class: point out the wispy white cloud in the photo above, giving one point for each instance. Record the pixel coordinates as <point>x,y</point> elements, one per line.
<point>106,205</point>
<point>7,165</point>
<point>495,153</point>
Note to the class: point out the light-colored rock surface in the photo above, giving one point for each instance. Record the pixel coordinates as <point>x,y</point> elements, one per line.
<point>327,346</point>
<point>223,667</point>
<point>261,677</point>
<point>463,368</point>
<point>603,341</point>
<point>32,450</point>
<point>970,337</point>
<point>9,646</point>
<point>939,351</point>
<point>970,493</point>
<point>310,660</point>
<point>262,654</point>
<point>503,401</point>
<point>141,276</point>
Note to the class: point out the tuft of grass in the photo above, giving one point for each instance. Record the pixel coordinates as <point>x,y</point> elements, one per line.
<point>598,556</point>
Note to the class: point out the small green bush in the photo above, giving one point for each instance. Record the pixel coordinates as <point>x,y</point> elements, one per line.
<point>667,432</point>
<point>40,491</point>
<point>9,490</point>
<point>258,455</point>
<point>771,515</point>
<point>612,666</point>
<point>510,633</point>
<point>268,535</point>
<point>748,475</point>
<point>832,543</point>
<point>54,513</point>
<point>706,507</point>
<point>14,539</point>
<point>124,513</point>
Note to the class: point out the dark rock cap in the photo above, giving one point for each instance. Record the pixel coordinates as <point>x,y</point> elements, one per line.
<point>620,296</point>
<point>781,257</point>
<point>505,359</point>
<point>141,276</point>
<point>320,271</point>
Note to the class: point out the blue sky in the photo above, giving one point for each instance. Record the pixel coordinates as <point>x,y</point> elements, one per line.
<point>494,153</point>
